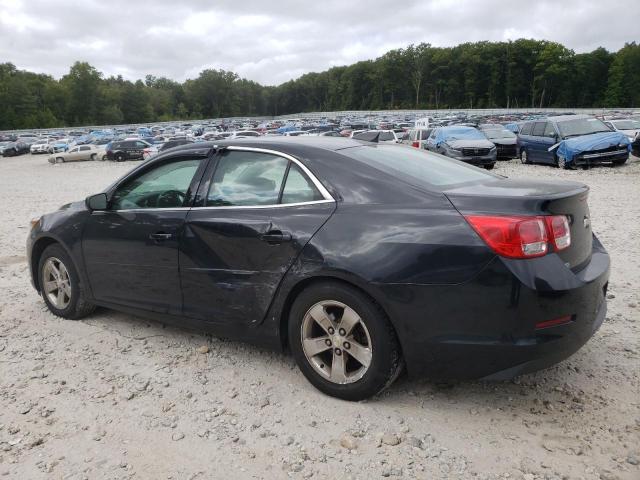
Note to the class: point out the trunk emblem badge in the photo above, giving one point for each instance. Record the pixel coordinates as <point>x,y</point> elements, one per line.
<point>586,222</point>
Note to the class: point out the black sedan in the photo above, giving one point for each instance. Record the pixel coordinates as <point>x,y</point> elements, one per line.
<point>359,258</point>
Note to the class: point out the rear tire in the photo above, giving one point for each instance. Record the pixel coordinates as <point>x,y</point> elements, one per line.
<point>490,166</point>
<point>363,350</point>
<point>59,160</point>
<point>72,302</point>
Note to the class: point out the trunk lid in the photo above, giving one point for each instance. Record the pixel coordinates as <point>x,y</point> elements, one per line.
<point>505,196</point>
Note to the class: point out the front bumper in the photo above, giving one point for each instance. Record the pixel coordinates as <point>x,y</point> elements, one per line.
<point>599,158</point>
<point>473,160</point>
<point>486,328</point>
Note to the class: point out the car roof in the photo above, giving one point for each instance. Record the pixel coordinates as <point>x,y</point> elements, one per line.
<point>564,118</point>
<point>280,143</point>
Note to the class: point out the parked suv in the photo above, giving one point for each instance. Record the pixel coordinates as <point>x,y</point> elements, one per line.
<point>463,143</point>
<point>572,140</point>
<point>127,150</point>
<point>504,140</point>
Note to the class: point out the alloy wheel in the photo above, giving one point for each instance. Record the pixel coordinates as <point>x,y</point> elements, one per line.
<point>56,283</point>
<point>336,342</point>
<point>524,157</point>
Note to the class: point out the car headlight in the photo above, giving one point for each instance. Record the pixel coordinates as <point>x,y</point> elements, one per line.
<point>35,222</point>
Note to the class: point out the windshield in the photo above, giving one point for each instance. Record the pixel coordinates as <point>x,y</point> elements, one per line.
<point>581,126</point>
<point>499,134</point>
<point>461,134</point>
<point>417,167</point>
<point>626,124</point>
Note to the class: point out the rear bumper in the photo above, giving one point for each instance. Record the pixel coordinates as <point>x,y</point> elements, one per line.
<point>486,328</point>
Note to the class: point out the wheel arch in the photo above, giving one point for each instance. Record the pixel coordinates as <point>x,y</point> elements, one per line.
<point>36,253</point>
<point>305,283</point>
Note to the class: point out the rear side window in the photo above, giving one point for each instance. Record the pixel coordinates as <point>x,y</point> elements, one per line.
<point>415,166</point>
<point>247,178</point>
<point>526,129</point>
<point>538,129</point>
<point>298,188</point>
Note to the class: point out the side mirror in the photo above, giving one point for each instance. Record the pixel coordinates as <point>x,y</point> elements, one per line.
<point>97,202</point>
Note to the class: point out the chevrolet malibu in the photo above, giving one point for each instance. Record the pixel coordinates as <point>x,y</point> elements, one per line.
<point>360,258</point>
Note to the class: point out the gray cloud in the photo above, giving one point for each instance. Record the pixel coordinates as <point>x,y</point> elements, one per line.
<point>275,42</point>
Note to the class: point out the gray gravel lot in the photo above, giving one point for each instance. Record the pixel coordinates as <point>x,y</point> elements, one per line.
<point>117,397</point>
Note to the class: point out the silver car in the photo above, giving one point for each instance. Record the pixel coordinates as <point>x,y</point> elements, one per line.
<point>80,153</point>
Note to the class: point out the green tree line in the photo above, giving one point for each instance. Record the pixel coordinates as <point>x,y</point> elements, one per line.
<point>516,74</point>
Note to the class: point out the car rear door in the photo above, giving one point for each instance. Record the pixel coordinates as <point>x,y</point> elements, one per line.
<point>131,249</point>
<point>256,209</point>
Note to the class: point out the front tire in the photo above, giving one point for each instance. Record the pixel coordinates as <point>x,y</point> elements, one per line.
<point>342,342</point>
<point>524,157</point>
<point>60,286</point>
<point>119,157</point>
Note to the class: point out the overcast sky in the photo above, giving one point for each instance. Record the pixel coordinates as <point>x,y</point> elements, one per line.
<point>275,41</point>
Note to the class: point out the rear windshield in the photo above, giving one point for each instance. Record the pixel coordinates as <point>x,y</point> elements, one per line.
<point>415,166</point>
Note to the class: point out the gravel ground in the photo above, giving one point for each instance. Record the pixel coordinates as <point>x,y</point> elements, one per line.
<point>115,396</point>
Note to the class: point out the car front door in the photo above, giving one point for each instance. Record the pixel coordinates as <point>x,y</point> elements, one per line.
<point>131,249</point>
<point>548,139</point>
<point>256,210</point>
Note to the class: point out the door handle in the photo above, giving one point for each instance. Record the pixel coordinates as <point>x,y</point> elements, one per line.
<point>276,236</point>
<point>160,236</point>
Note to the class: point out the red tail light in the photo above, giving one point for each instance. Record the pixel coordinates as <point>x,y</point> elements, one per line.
<point>558,227</point>
<point>415,144</point>
<point>522,237</point>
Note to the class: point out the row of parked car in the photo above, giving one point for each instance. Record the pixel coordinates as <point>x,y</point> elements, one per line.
<point>566,141</point>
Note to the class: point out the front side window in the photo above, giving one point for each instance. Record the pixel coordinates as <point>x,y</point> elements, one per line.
<point>549,131</point>
<point>164,186</point>
<point>247,178</point>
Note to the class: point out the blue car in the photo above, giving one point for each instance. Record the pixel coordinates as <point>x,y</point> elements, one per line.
<point>571,140</point>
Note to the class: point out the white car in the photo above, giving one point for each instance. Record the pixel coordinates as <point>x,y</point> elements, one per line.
<point>244,134</point>
<point>40,146</point>
<point>628,126</point>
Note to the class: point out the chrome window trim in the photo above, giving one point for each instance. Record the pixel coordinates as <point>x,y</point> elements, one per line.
<point>273,205</point>
<point>323,191</point>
